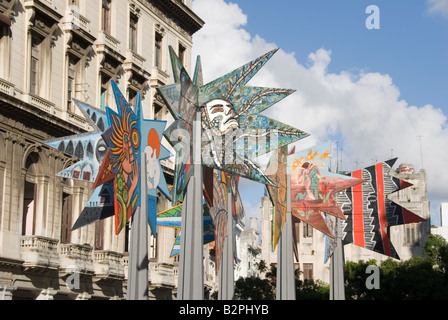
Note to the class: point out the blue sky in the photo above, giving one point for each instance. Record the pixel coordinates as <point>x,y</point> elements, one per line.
<point>378,93</point>
<point>411,44</point>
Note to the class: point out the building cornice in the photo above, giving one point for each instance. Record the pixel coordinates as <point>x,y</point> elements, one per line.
<point>17,109</point>
<point>178,11</point>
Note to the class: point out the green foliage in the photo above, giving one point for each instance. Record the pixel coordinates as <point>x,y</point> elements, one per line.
<point>419,278</point>
<point>312,290</point>
<point>255,288</point>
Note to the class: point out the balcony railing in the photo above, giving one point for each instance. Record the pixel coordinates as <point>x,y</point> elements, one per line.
<point>75,257</point>
<point>39,252</point>
<point>161,274</point>
<point>108,265</point>
<point>6,87</point>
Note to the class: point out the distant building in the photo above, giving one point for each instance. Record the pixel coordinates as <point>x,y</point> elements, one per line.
<point>408,239</point>
<point>443,228</point>
<point>248,251</point>
<point>50,52</point>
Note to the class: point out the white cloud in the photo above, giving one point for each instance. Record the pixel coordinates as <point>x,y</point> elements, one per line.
<point>363,110</point>
<point>438,6</point>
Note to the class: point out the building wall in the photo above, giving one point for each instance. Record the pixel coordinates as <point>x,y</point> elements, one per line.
<point>49,45</point>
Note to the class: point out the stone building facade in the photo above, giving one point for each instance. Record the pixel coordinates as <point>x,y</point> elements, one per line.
<point>50,52</point>
<point>407,239</point>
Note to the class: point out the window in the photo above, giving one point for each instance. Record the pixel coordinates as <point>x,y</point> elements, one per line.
<point>132,98</point>
<point>104,93</point>
<point>70,84</point>
<point>29,195</point>
<point>106,16</point>
<point>307,271</point>
<point>126,238</point>
<point>102,98</point>
<point>5,51</point>
<point>133,32</point>
<point>28,208</point>
<point>307,231</point>
<point>99,235</point>
<point>182,50</point>
<point>34,65</point>
<point>66,218</point>
<point>297,231</point>
<point>411,234</point>
<point>158,51</point>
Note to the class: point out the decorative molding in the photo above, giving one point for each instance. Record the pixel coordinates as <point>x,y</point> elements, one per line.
<point>7,7</point>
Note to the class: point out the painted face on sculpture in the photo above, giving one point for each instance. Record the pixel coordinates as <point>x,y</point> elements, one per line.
<point>221,116</point>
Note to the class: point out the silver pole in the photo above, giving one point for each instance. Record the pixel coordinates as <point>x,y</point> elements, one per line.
<point>137,288</point>
<point>286,289</point>
<point>226,272</point>
<point>337,288</point>
<point>191,268</point>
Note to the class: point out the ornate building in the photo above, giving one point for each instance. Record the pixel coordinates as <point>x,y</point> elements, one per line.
<point>50,52</point>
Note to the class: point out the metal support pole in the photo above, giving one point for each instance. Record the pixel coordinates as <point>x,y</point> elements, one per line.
<point>191,268</point>
<point>226,271</point>
<point>286,288</point>
<point>337,288</point>
<point>137,288</point>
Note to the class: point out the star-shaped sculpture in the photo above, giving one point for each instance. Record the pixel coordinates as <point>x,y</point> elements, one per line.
<point>135,152</point>
<point>233,130</point>
<point>172,218</point>
<point>90,149</point>
<point>313,187</point>
<point>369,209</point>
<point>277,170</point>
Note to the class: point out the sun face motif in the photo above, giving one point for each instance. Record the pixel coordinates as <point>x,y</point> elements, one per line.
<point>220,116</point>
<point>234,132</point>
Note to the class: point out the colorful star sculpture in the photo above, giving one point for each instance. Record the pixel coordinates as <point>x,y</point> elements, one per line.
<point>90,149</point>
<point>313,187</point>
<point>172,218</point>
<point>133,141</point>
<point>277,170</point>
<point>233,131</point>
<point>369,210</point>
<point>111,157</point>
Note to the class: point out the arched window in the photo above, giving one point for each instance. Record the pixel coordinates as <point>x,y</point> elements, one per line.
<point>66,217</point>
<point>29,195</point>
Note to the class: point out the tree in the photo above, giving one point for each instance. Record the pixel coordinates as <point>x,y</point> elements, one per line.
<point>312,290</point>
<point>436,250</point>
<point>417,278</point>
<point>254,288</point>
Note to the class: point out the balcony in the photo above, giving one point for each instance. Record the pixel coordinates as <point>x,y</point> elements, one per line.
<point>73,20</point>
<point>39,253</point>
<point>108,265</point>
<point>161,275</point>
<point>40,103</point>
<point>76,258</point>
<point>6,87</point>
